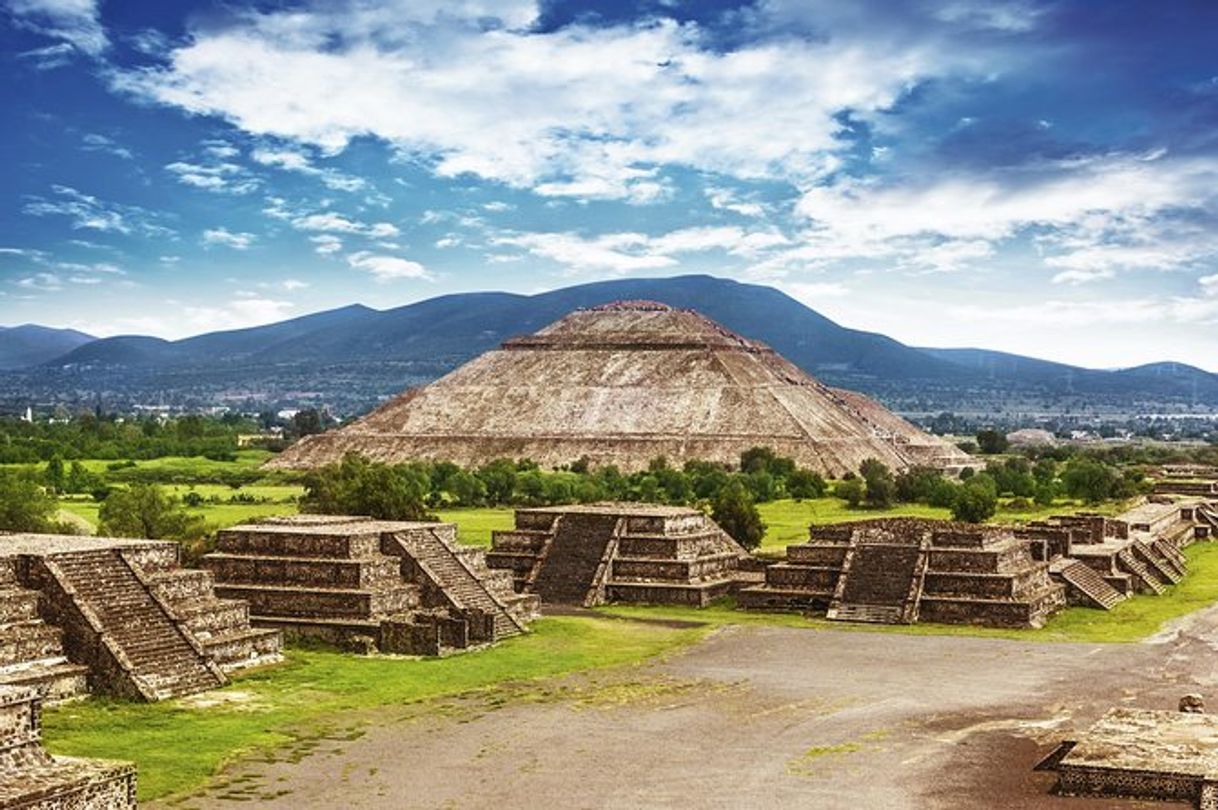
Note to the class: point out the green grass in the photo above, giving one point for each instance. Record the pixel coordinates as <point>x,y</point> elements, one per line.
<point>474,526</point>
<point>178,745</point>
<point>1132,620</point>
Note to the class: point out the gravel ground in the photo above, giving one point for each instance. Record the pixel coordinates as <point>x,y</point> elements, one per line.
<point>753,717</point>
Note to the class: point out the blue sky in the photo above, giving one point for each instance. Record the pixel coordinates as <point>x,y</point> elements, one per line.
<point>1037,177</point>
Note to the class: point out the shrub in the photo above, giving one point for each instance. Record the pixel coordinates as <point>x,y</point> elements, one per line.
<point>736,513</point>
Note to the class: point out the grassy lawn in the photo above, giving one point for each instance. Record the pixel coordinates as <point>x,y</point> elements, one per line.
<point>1131,620</point>
<point>474,526</point>
<point>180,744</point>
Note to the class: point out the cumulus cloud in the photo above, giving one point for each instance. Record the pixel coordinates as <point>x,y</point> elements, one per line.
<point>227,238</point>
<point>386,268</point>
<point>337,223</point>
<point>294,160</point>
<point>326,244</point>
<point>588,112</point>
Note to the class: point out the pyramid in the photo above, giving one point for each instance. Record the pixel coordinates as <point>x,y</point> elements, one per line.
<point>622,384</point>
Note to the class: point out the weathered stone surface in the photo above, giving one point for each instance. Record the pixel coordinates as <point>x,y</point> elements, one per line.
<point>622,384</point>
<point>31,779</point>
<point>619,552</point>
<point>364,585</point>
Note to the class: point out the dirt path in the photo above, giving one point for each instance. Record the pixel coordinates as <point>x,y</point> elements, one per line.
<point>754,717</point>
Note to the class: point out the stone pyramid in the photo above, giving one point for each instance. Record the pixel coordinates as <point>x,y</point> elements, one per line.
<point>622,384</point>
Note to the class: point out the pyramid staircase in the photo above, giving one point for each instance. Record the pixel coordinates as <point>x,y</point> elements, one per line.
<point>30,779</point>
<point>880,583</point>
<point>462,580</point>
<point>591,554</point>
<point>1084,585</point>
<point>129,635</point>
<point>31,650</point>
<point>1144,577</point>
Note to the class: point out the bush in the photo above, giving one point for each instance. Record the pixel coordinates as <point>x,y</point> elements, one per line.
<point>851,490</point>
<point>737,515</point>
<point>975,502</point>
<point>24,505</point>
<point>803,484</point>
<point>880,489</point>
<point>356,486</point>
<point>992,442</point>
<point>147,511</point>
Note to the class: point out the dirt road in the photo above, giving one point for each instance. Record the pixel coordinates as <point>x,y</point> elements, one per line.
<point>755,717</point>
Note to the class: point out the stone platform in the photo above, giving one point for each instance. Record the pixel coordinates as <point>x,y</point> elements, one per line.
<point>1142,754</point>
<point>903,570</point>
<point>117,616</point>
<point>591,554</point>
<point>368,585</point>
<point>30,779</point>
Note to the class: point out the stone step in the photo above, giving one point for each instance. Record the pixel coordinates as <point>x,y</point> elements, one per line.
<point>369,572</point>
<point>868,614</point>
<point>770,597</point>
<point>244,647</point>
<point>54,679</point>
<point>339,603</point>
<point>696,594</point>
<point>1087,585</point>
<point>1129,562</point>
<point>211,615</point>
<point>343,544</point>
<point>180,584</point>
<point>28,641</point>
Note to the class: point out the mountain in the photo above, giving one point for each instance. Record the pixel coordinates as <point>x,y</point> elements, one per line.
<point>31,345</point>
<point>352,357</point>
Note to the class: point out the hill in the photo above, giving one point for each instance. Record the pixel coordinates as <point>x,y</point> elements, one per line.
<point>31,345</point>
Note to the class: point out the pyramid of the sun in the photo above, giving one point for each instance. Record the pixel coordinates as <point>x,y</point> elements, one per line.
<point>622,384</point>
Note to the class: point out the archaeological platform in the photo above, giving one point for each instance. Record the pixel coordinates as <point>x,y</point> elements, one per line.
<point>31,779</point>
<point>366,585</point>
<point>592,554</point>
<point>119,617</point>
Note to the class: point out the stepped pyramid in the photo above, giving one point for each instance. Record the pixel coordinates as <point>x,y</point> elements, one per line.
<point>591,554</point>
<point>622,384</point>
<point>366,584</point>
<point>117,616</point>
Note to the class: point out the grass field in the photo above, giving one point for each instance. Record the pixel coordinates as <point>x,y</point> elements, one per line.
<point>178,745</point>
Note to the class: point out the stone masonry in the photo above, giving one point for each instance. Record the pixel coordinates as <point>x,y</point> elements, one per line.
<point>30,779</point>
<point>642,553</point>
<point>119,617</point>
<point>903,570</point>
<point>368,585</point>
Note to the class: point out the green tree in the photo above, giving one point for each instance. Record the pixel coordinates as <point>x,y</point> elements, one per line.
<point>499,478</point>
<point>148,511</point>
<point>976,501</point>
<point>356,486</point>
<point>55,476</point>
<point>736,513</point>
<point>880,487</point>
<point>1089,480</point>
<point>24,505</point>
<point>991,442</point>
<point>803,484</point>
<point>851,490</point>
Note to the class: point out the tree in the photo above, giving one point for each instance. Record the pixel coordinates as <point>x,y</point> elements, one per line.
<point>357,486</point>
<point>24,505</point>
<point>55,476</point>
<point>991,442</point>
<point>916,484</point>
<point>499,478</point>
<point>736,514</point>
<point>805,484</point>
<point>1089,480</point>
<point>880,487</point>
<point>851,490</point>
<point>308,422</point>
<point>976,501</point>
<point>148,511</point>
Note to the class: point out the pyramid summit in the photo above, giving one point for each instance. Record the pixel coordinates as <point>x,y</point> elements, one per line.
<point>623,383</point>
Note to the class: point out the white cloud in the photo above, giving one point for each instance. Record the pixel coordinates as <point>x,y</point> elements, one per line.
<point>41,282</point>
<point>728,200</point>
<point>326,244</point>
<point>243,311</point>
<point>76,22</point>
<point>579,111</point>
<point>294,160</point>
<point>630,252</point>
<point>88,212</point>
<point>386,268</point>
<point>227,238</point>
<point>220,176</point>
<point>337,223</point>
<point>94,142</point>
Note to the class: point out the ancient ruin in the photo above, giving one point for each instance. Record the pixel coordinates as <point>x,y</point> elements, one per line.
<point>1143,754</point>
<point>368,585</point>
<point>637,553</point>
<point>31,779</point>
<point>117,616</point>
<point>902,570</point>
<point>623,384</point>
